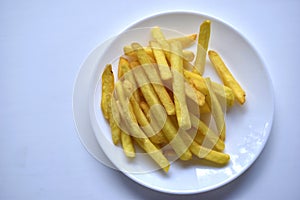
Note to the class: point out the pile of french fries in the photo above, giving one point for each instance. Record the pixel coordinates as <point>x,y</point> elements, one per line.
<point>161,96</point>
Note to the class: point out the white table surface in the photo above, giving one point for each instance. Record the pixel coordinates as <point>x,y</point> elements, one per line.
<point>43,44</point>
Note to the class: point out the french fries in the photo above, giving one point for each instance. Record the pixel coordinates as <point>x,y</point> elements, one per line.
<point>159,55</point>
<point>227,77</point>
<point>185,41</point>
<point>160,96</point>
<point>154,78</point>
<point>107,89</point>
<point>204,35</point>
<point>181,108</point>
<point>216,110</point>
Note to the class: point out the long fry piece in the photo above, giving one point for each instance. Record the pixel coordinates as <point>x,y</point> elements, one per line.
<point>205,153</point>
<point>114,121</point>
<point>216,110</point>
<point>107,88</point>
<point>154,78</point>
<point>227,76</point>
<point>203,39</point>
<point>181,108</point>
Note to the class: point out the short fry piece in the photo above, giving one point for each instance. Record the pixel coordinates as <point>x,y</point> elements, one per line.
<point>209,154</point>
<point>227,77</point>
<point>194,94</point>
<point>107,88</point>
<point>127,145</point>
<point>185,41</point>
<point>206,153</point>
<point>204,35</point>
<point>182,112</point>
<point>222,92</point>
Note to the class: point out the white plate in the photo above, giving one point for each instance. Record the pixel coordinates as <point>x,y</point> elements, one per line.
<point>248,126</point>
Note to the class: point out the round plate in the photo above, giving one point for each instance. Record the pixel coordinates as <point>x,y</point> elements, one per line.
<point>248,126</point>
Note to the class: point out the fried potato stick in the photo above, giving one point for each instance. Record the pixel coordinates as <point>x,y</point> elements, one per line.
<point>182,112</point>
<point>222,92</point>
<point>107,88</point>
<point>216,110</point>
<point>114,121</point>
<point>154,78</point>
<point>207,132</point>
<point>206,153</point>
<point>127,145</point>
<point>204,35</point>
<point>194,94</point>
<point>125,70</point>
<point>162,64</point>
<point>227,77</point>
<point>185,41</point>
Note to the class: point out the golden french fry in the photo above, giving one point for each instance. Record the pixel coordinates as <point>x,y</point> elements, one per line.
<point>188,56</point>
<point>154,78</point>
<point>125,69</point>
<point>205,108</point>
<point>181,108</point>
<point>154,153</point>
<point>127,145</point>
<point>107,88</point>
<point>114,121</point>
<point>163,66</point>
<point>194,94</point>
<point>216,110</point>
<point>209,154</point>
<point>160,138</point>
<point>204,35</point>
<point>142,139</point>
<point>142,119</point>
<point>205,153</point>
<point>122,61</point>
<point>227,76</point>
<point>207,132</point>
<point>222,92</point>
<point>185,41</point>
<point>159,37</point>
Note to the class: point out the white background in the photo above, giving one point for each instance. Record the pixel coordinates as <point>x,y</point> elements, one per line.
<point>43,44</point>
